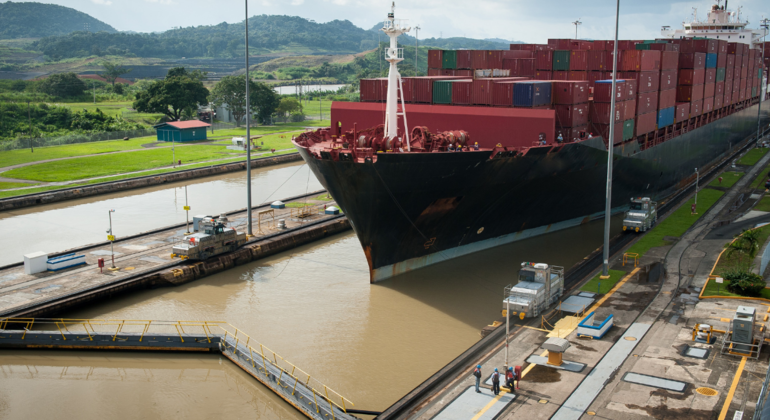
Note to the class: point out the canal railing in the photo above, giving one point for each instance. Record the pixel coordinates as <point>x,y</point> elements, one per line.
<point>297,387</point>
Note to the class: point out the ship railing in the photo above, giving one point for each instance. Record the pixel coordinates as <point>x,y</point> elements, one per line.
<point>290,375</point>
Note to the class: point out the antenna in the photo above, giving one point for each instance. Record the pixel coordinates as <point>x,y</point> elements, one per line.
<point>577,23</point>
<point>394,55</point>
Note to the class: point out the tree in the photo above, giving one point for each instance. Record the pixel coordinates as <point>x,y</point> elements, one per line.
<point>287,106</point>
<point>172,95</point>
<point>745,244</point>
<point>63,85</point>
<point>112,71</point>
<point>231,92</point>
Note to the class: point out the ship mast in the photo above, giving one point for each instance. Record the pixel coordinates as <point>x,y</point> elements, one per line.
<point>394,55</point>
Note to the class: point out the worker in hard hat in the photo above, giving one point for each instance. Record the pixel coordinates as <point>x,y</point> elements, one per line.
<point>476,146</point>
<point>477,374</point>
<point>496,382</point>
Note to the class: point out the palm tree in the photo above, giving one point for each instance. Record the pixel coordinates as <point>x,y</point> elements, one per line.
<point>745,244</point>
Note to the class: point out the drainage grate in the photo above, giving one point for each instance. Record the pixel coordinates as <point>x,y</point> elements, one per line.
<point>709,392</point>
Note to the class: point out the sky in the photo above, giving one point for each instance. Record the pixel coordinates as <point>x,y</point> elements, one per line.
<point>521,20</point>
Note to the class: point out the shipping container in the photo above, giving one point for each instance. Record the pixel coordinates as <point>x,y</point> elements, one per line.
<point>708,104</point>
<point>692,60</point>
<point>711,61</point>
<point>729,74</point>
<point>718,101</point>
<point>601,45</point>
<point>573,115</point>
<point>666,98</point>
<point>596,60</point>
<point>696,108</point>
<point>572,92</point>
<point>645,123</point>
<point>593,76</point>
<point>544,60</point>
<point>532,94</point>
<point>721,46</point>
<point>736,85</point>
<point>373,90</point>
<point>735,48</point>
<point>479,59</point>
<point>682,112</point>
<point>709,89</point>
<point>601,112</point>
<point>646,102</point>
<point>520,66</point>
<point>580,45</point>
<point>608,60</point>
<point>578,60</point>
<point>604,131</point>
<point>665,47</point>
<point>434,59</point>
<point>442,92</point>
<point>482,90</point>
<point>543,75</point>
<point>730,61</point>
<point>628,126</point>
<point>495,59</point>
<point>571,134</point>
<point>689,93</point>
<point>635,60</point>
<point>692,77</point>
<point>668,79</point>
<point>603,91</point>
<point>721,60</point>
<point>560,75</point>
<point>720,74</point>
<point>728,100</point>
<point>502,93</point>
<point>631,88</point>
<point>542,47</point>
<point>561,60</point>
<point>506,54</point>
<point>629,109</point>
<point>463,73</point>
<point>719,88</point>
<point>647,81</point>
<point>577,75</point>
<point>710,76</point>
<point>669,60</point>
<point>560,44</point>
<point>665,117</point>
<point>464,58</point>
<point>449,59</point>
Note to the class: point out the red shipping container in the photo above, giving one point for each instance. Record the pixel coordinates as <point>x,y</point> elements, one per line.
<point>407,83</point>
<point>627,45</point>
<point>434,72</point>
<point>692,60</point>
<point>578,60</point>
<point>435,57</point>
<point>495,59</point>
<point>631,88</point>
<point>743,84</point>
<point>713,46</point>
<point>608,60</point>
<point>543,75</point>
<point>721,60</point>
<point>463,73</point>
<point>665,47</point>
<point>596,60</point>
<point>730,61</point>
<point>640,60</point>
<point>668,79</point>
<point>735,48</point>
<point>708,104</point>
<point>604,131</point>
<point>666,98</point>
<point>571,134</point>
<point>543,47</point>
<point>578,75</point>
<point>373,90</point>
<point>461,92</point>
<point>648,81</point>
<point>568,93</point>
<point>515,47</point>
<point>599,45</point>
<point>629,109</point>
<point>580,45</point>
<point>728,100</point>
<point>689,93</point>
<point>720,88</point>
<point>479,59</point>
<point>464,58</point>
<point>682,112</point>
<point>447,72</point>
<point>603,92</point>
<point>571,115</point>
<point>729,74</point>
<point>718,104</point>
<point>692,77</point>
<point>736,85</point>
<point>544,60</point>
<point>722,46</point>
<point>646,102</point>
<point>483,89</point>
<point>744,61</point>
<point>600,112</point>
<point>696,108</point>
<point>502,93</point>
<point>560,44</point>
<point>506,54</point>
<point>645,123</point>
<point>593,76</point>
<point>709,89</point>
<point>669,60</point>
<point>561,75</point>
<point>744,72</point>
<point>711,76</point>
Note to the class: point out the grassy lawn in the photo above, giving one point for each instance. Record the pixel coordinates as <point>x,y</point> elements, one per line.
<point>324,197</point>
<point>109,108</point>
<point>677,223</point>
<point>727,262</point>
<point>728,179</point>
<point>297,205</point>
<point>759,181</point>
<point>271,141</point>
<point>15,157</point>
<point>752,156</point>
<point>313,110</point>
<point>7,185</point>
<point>606,284</point>
<point>715,289</point>
<point>93,166</point>
<point>763,204</point>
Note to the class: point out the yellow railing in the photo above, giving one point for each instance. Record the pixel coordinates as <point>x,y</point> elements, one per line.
<point>290,374</point>
<point>631,255</point>
<point>306,211</point>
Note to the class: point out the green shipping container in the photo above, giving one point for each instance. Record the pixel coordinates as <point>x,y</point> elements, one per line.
<point>628,129</point>
<point>561,60</point>
<point>644,46</point>
<point>754,93</point>
<point>449,60</point>
<point>721,74</point>
<point>759,73</point>
<point>442,92</point>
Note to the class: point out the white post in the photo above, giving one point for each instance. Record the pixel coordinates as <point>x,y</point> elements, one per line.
<point>187,210</point>
<point>112,238</point>
<point>249,231</point>
<point>393,30</point>
<point>610,154</point>
<point>507,327</point>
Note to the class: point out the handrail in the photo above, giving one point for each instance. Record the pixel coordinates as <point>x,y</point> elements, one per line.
<point>290,373</point>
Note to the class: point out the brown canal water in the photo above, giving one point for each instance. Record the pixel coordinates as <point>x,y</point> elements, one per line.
<point>315,307</point>
<point>69,224</point>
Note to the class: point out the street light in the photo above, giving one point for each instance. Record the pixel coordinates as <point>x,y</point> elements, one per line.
<point>577,23</point>
<point>111,238</point>
<point>416,45</point>
<point>248,131</point>
<point>764,25</point>
<point>697,178</point>
<point>608,200</point>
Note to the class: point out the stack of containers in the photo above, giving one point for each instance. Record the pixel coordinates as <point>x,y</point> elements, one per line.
<point>561,64</point>
<point>600,112</point>
<point>669,74</point>
<point>570,99</point>
<point>532,94</point>
<point>692,76</point>
<point>643,65</point>
<point>483,90</point>
<point>721,69</point>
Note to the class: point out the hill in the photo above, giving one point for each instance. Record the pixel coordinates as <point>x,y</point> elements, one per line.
<point>37,20</point>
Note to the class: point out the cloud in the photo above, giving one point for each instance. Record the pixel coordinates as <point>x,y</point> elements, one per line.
<point>161,1</point>
<point>102,2</point>
<point>297,2</point>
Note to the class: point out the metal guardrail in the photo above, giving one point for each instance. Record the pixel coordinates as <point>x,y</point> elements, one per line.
<point>220,331</point>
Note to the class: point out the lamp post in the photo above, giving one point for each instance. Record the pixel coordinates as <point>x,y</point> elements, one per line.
<point>577,23</point>
<point>248,131</point>
<point>507,326</point>
<point>608,203</point>
<point>111,238</point>
<point>697,178</point>
<point>416,42</point>
<point>764,25</point>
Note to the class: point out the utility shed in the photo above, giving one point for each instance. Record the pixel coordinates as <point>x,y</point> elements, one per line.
<point>182,130</point>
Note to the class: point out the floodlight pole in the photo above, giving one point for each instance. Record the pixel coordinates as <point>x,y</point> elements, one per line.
<point>764,26</point>
<point>610,153</point>
<point>576,23</point>
<point>248,132</point>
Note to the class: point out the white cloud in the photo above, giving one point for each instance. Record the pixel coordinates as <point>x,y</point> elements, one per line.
<point>161,1</point>
<point>102,2</point>
<point>297,2</point>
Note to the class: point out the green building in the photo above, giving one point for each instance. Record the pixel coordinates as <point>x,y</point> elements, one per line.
<point>182,130</point>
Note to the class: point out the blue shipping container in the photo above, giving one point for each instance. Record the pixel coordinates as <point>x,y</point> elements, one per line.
<point>531,94</point>
<point>666,117</point>
<point>711,61</point>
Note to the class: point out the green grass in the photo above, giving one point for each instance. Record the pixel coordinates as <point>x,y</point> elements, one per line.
<point>606,284</point>
<point>728,179</point>
<point>297,205</point>
<point>15,157</point>
<point>727,262</point>
<point>759,181</point>
<point>715,289</point>
<point>93,166</point>
<point>271,141</point>
<point>763,204</point>
<point>109,108</point>
<point>752,156</point>
<point>677,223</point>
<point>7,185</point>
<point>324,197</point>
<point>311,109</point>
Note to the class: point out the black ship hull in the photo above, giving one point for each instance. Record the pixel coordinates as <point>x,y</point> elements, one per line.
<point>410,210</point>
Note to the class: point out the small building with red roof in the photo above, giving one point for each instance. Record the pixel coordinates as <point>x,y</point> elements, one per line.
<point>180,131</point>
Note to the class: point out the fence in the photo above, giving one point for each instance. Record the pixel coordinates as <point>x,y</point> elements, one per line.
<point>765,260</point>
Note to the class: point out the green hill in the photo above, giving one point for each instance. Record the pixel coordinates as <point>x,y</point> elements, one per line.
<point>37,20</point>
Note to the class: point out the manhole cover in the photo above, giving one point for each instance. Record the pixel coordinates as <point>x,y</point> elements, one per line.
<point>629,338</point>
<point>709,392</point>
<point>543,401</point>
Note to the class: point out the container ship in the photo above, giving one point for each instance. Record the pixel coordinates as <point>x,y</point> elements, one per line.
<point>496,146</point>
